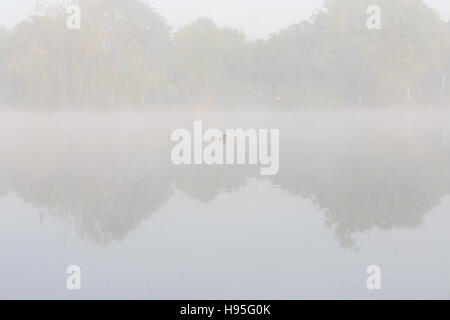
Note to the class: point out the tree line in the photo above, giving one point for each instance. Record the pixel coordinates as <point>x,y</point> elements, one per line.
<point>126,54</point>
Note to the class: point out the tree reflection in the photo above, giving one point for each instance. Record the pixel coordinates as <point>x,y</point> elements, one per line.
<point>107,176</point>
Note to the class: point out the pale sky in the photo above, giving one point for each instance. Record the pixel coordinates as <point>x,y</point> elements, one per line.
<point>257,18</point>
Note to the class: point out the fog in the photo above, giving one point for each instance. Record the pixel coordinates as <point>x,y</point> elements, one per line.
<point>257,21</point>
<point>126,54</point>
<point>354,187</point>
<point>87,113</point>
<point>362,169</point>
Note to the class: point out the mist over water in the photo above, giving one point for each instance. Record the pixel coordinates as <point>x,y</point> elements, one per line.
<point>354,186</point>
<point>90,97</point>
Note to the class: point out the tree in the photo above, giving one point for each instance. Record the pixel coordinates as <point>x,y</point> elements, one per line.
<point>4,53</point>
<point>382,66</point>
<point>208,61</point>
<point>119,56</point>
<point>125,54</point>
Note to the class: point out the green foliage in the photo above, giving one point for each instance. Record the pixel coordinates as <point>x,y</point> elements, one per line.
<point>376,66</point>
<point>126,54</point>
<point>119,56</point>
<point>4,57</point>
<point>207,60</point>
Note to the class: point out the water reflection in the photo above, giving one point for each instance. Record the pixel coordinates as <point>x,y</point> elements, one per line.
<point>106,174</point>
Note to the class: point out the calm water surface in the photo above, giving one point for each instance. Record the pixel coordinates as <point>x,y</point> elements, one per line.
<point>355,188</point>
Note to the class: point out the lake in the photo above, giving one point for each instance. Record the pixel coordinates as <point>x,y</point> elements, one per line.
<point>355,188</point>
